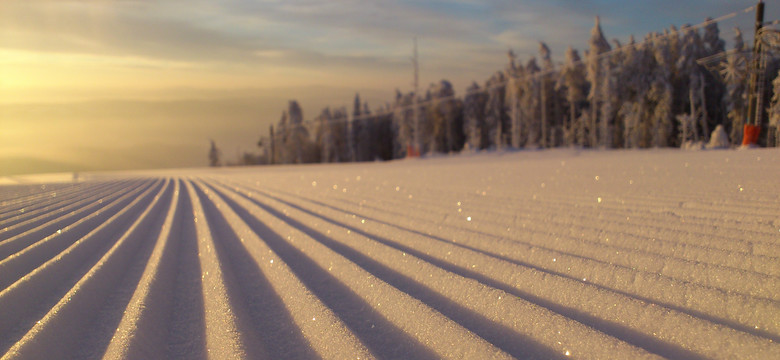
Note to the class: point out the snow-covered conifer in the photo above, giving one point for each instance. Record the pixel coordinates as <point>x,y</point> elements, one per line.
<point>403,123</point>
<point>214,155</point>
<point>774,110</point>
<point>353,128</point>
<point>546,97</point>
<point>661,94</point>
<point>325,136</point>
<point>474,125</point>
<point>495,115</point>
<point>281,139</point>
<point>531,104</point>
<point>513,93</point>
<point>298,135</point>
<point>713,44</point>
<point>597,45</point>
<point>692,49</point>
<point>734,72</point>
<point>447,124</point>
<point>608,104</point>
<point>572,79</point>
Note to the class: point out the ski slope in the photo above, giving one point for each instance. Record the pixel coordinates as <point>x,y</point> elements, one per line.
<point>549,255</point>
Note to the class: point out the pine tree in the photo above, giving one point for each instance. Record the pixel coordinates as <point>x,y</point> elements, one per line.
<point>214,155</point>
<point>495,114</point>
<point>474,126</point>
<point>325,136</point>
<point>596,47</point>
<point>355,124</point>
<point>712,91</point>
<point>631,113</point>
<point>403,123</point>
<point>446,117</point>
<point>633,79</point>
<point>531,105</point>
<point>572,79</point>
<point>607,111</point>
<point>692,49</point>
<point>298,135</point>
<point>713,44</point>
<point>774,110</point>
<point>661,94</point>
<point>365,139</point>
<point>340,130</point>
<point>734,72</point>
<point>546,93</point>
<point>281,140</point>
<point>512,98</point>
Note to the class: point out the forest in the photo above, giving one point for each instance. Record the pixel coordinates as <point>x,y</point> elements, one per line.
<point>679,88</point>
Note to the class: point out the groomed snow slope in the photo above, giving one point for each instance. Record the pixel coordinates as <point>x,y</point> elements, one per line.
<point>554,254</point>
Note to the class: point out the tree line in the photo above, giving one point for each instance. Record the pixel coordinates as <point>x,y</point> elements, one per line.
<point>652,93</point>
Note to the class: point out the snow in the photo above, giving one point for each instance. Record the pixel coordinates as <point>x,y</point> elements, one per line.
<point>526,254</point>
<point>719,139</point>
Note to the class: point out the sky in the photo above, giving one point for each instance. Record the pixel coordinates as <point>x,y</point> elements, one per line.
<point>128,84</point>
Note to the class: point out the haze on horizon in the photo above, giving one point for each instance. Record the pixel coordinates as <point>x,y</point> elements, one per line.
<point>131,84</point>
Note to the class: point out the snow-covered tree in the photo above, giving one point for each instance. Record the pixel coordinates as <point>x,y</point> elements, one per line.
<point>353,128</point>
<point>572,80</point>
<point>214,155</point>
<point>281,139</point>
<point>713,44</point>
<point>366,144</point>
<point>403,123</point>
<point>634,78</point>
<point>474,126</point>
<point>661,94</point>
<point>687,125</point>
<point>512,98</point>
<point>546,95</point>
<point>597,45</point>
<point>531,105</point>
<point>774,110</point>
<point>712,91</point>
<point>446,115</point>
<point>298,136</point>
<point>608,104</point>
<point>495,115</point>
<point>326,137</point>
<point>734,72</point>
<point>692,49</point>
<point>631,113</point>
<point>340,128</point>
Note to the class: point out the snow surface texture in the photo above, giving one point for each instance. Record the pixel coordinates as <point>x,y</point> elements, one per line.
<point>550,255</point>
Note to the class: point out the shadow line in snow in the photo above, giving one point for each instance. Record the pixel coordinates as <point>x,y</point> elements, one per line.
<point>187,325</point>
<point>96,339</point>
<point>694,313</point>
<point>49,209</point>
<point>275,327</point>
<point>378,334</point>
<point>608,327</point>
<point>45,224</point>
<point>26,252</point>
<point>501,336</point>
<point>32,297</point>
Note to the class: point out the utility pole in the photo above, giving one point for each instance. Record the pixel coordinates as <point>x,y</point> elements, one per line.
<point>416,113</point>
<point>755,87</point>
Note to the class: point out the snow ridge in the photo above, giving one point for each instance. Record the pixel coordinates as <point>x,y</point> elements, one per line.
<point>547,255</point>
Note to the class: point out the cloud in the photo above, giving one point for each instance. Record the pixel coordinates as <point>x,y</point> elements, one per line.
<point>371,38</point>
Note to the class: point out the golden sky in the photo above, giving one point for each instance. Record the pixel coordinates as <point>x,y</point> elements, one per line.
<point>65,63</point>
